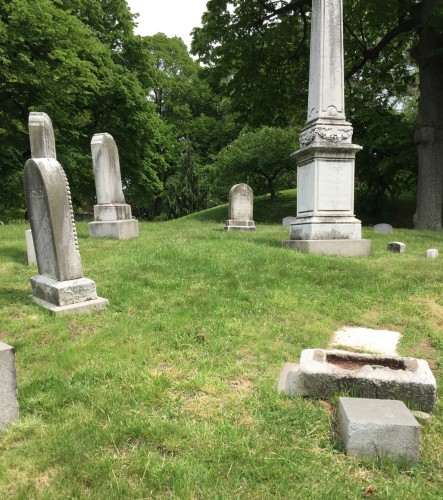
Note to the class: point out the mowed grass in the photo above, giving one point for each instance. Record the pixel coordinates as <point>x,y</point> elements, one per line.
<point>171,392</point>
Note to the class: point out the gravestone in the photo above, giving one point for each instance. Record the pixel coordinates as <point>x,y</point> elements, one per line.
<point>431,253</point>
<point>8,386</point>
<point>60,285</point>
<point>241,204</point>
<point>112,216</point>
<point>32,259</point>
<point>287,221</point>
<point>396,247</point>
<point>382,228</point>
<point>325,161</point>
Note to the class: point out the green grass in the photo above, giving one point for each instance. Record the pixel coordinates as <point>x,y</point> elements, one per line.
<point>171,392</point>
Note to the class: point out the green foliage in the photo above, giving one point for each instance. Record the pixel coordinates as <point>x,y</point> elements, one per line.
<point>260,158</point>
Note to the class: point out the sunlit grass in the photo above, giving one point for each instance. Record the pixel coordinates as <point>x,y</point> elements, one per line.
<point>172,390</point>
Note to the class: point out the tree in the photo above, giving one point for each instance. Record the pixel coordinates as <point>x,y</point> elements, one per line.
<point>253,48</point>
<point>260,158</point>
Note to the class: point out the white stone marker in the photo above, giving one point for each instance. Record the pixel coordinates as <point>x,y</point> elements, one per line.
<point>8,386</point>
<point>325,161</point>
<point>431,253</point>
<point>241,205</point>
<point>112,216</point>
<point>396,247</point>
<point>60,285</point>
<point>41,136</point>
<point>32,259</point>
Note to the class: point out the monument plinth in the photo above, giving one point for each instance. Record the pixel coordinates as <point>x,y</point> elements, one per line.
<point>325,221</point>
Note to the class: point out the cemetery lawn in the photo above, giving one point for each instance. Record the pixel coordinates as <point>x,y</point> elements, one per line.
<point>171,392</point>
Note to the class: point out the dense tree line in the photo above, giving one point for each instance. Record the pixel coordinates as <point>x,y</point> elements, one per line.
<point>187,130</point>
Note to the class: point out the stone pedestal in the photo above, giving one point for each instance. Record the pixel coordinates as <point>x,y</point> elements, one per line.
<point>240,225</point>
<point>113,220</point>
<point>8,386</point>
<point>61,297</point>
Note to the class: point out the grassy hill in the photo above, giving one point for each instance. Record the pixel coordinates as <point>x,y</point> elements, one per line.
<point>171,392</point>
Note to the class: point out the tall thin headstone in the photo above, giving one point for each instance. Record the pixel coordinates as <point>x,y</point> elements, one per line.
<point>325,220</point>
<point>8,386</point>
<point>60,285</point>
<point>241,203</point>
<point>112,216</point>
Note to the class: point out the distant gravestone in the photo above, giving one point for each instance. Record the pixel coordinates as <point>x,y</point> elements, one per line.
<point>60,285</point>
<point>8,386</point>
<point>382,228</point>
<point>112,216</point>
<point>431,253</point>
<point>241,203</point>
<point>41,136</point>
<point>32,259</point>
<point>287,221</point>
<point>397,247</point>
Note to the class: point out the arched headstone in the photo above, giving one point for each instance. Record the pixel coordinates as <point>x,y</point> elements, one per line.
<point>112,216</point>
<point>241,204</point>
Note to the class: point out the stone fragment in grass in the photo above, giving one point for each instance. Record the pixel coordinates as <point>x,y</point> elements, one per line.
<point>431,253</point>
<point>367,339</point>
<point>375,429</point>
<point>397,247</point>
<point>8,386</point>
<point>382,228</point>
<point>241,204</point>
<point>363,375</point>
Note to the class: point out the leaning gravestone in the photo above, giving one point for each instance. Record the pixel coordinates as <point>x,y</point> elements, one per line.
<point>112,216</point>
<point>60,285</point>
<point>241,203</point>
<point>8,386</point>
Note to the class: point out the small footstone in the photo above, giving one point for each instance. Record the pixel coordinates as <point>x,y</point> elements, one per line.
<point>287,380</point>
<point>397,247</point>
<point>382,228</point>
<point>379,428</point>
<point>432,253</point>
<point>8,386</point>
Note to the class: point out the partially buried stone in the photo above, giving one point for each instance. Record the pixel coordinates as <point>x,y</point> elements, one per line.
<point>397,247</point>
<point>432,253</point>
<point>382,228</point>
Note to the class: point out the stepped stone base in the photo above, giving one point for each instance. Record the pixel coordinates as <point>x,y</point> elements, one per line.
<point>63,293</point>
<point>347,248</point>
<point>118,229</point>
<point>240,225</point>
<point>80,307</point>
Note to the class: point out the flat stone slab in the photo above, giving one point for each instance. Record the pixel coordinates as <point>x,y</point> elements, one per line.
<point>346,248</point>
<point>8,386</point>
<point>325,373</point>
<point>117,230</point>
<point>378,428</point>
<point>367,339</point>
<point>81,307</point>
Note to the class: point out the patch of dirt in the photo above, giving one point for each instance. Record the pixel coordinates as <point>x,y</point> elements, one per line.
<point>356,362</point>
<point>42,481</point>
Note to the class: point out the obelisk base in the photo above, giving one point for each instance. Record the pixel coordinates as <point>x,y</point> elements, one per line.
<point>346,248</point>
<point>118,229</point>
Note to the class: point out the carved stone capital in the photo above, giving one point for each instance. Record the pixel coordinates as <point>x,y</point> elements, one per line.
<point>329,133</point>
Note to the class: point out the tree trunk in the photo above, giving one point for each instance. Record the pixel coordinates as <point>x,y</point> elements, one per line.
<point>429,128</point>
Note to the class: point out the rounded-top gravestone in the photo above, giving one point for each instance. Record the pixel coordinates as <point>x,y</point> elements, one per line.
<point>241,203</point>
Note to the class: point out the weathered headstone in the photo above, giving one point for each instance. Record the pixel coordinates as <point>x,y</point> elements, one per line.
<point>397,247</point>
<point>382,228</point>
<point>8,386</point>
<point>431,253</point>
<point>41,136</point>
<point>287,221</point>
<point>325,161</point>
<point>241,204</point>
<point>374,429</point>
<point>32,259</point>
<point>112,216</point>
<point>60,285</point>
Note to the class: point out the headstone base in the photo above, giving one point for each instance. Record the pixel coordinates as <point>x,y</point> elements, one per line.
<point>240,225</point>
<point>118,229</point>
<point>346,248</point>
<point>376,428</point>
<point>109,212</point>
<point>325,228</point>
<point>63,293</point>
<point>81,307</point>
<point>8,386</point>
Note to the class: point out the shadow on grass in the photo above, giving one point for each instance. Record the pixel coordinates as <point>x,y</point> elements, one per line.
<point>12,253</point>
<point>12,295</point>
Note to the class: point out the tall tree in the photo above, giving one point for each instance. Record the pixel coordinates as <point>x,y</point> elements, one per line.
<point>256,52</point>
